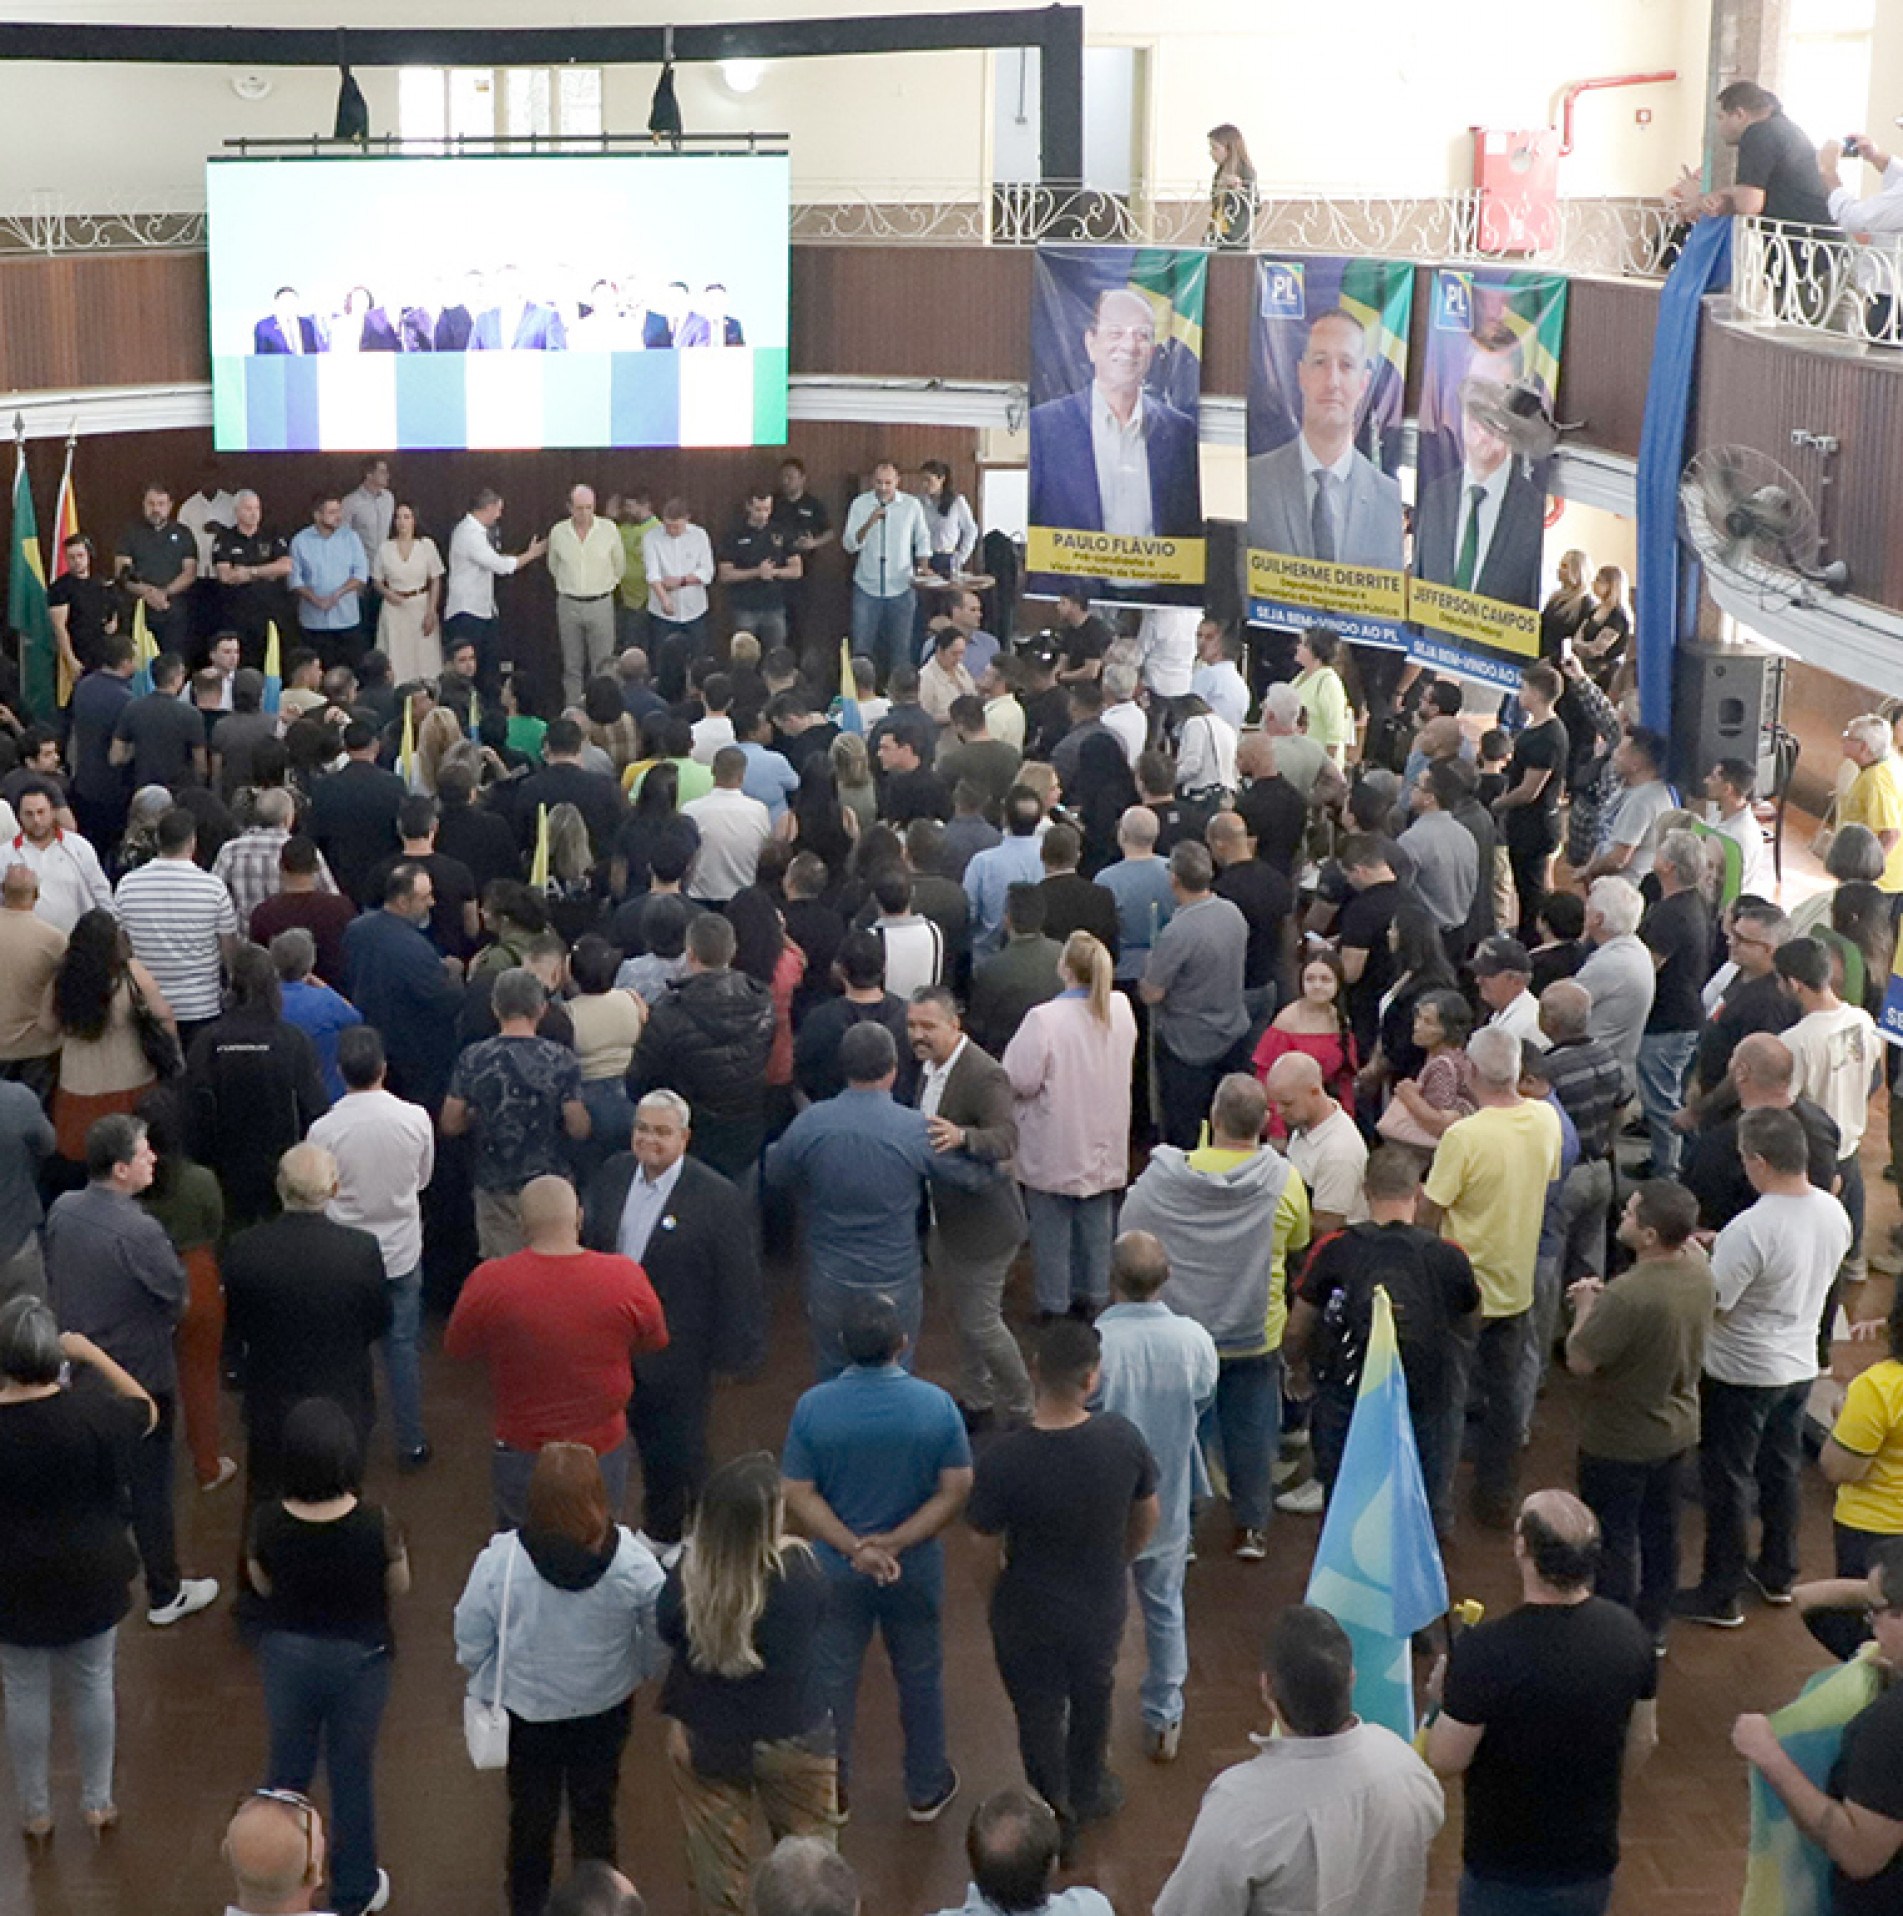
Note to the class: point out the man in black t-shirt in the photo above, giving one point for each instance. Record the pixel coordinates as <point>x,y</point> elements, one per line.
<point>1778,176</point>
<point>159,736</point>
<point>83,607</point>
<point>1528,809</point>
<point>1858,1821</point>
<point>756,565</point>
<point>1073,1499</point>
<point>1432,1288</point>
<point>1677,932</point>
<point>1543,1711</point>
<point>1084,637</point>
<point>1761,1075</point>
<point>1367,862</point>
<point>251,567</point>
<point>808,526</point>
<point>156,562</point>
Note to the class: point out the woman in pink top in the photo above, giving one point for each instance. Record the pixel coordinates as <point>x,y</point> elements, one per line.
<point>1316,1025</point>
<point>1070,1067</point>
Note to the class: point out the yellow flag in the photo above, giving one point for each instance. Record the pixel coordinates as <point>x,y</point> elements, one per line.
<point>406,756</point>
<point>538,865</point>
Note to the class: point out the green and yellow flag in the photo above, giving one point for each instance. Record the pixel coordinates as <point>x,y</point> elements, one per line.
<point>27,610</point>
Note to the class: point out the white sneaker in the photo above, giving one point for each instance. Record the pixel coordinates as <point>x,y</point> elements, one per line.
<point>194,1594</point>
<point>667,1555</point>
<point>1305,1500</point>
<point>381,1899</point>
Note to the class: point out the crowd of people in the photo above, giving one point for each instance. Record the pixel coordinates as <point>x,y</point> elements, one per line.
<point>406,996</point>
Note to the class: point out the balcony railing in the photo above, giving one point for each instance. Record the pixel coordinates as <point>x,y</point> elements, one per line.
<point>1790,276</point>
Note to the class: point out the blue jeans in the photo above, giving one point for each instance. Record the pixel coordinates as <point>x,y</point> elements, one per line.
<point>1245,1425</point>
<point>329,1691</point>
<point>882,627</point>
<point>27,1675</point>
<point>1490,1896</point>
<point>510,1471</point>
<point>1070,1247</point>
<point>826,1301</point>
<point>402,1365</point>
<point>906,1614</point>
<point>1159,1582</point>
<point>1664,1058</point>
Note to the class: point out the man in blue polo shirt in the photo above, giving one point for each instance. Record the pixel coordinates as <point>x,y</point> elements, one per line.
<point>876,1464</point>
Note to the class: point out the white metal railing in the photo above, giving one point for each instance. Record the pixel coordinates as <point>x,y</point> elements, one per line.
<point>1794,277</point>
<point>1616,238</point>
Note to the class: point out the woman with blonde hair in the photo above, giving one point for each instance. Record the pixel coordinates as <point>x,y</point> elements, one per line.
<point>1604,634</point>
<point>576,906</point>
<point>439,734</point>
<point>742,1612</point>
<point>852,774</point>
<point>580,1596</point>
<point>1232,193</point>
<point>1566,608</point>
<point>1069,1066</point>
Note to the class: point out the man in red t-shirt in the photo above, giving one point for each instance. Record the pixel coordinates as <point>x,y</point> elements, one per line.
<point>558,1327</point>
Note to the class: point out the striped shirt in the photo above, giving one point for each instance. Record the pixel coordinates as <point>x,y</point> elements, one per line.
<point>249,865</point>
<point>175,914</point>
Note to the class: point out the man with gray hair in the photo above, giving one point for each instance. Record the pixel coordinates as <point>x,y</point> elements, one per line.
<point>1013,1844</point>
<point>1122,716</point>
<point>1875,797</point>
<point>1487,1193</point>
<point>1677,933</point>
<point>675,1217</point>
<point>1298,758</point>
<point>305,1304</point>
<point>1590,1085</point>
<point>586,560</point>
<point>323,1015</point>
<point>1618,971</point>
<point>804,1876</point>
<point>249,863</point>
<point>521,1096</point>
<point>1754,1000</point>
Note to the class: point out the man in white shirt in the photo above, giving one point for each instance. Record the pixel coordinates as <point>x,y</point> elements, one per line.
<point>1331,1814</point>
<point>734,830</point>
<point>369,512</point>
<point>1773,1266</point>
<point>1835,1049</point>
<point>1122,716</point>
<point>887,534</point>
<point>1166,650</point>
<point>1881,213</point>
<point>1731,785</point>
<point>71,881</point>
<point>1323,1144</point>
<point>210,506</point>
<point>181,923</point>
<point>586,560</point>
<point>914,945</point>
<point>469,600</point>
<point>1628,839</point>
<point>678,558</point>
<point>1217,679</point>
<point>385,1149</point>
<point>1503,975</point>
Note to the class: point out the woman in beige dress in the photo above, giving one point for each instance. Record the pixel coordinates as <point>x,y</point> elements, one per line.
<point>409,575</point>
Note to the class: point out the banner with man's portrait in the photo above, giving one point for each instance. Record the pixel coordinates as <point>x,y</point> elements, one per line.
<point>1116,384</point>
<point>1485,457</point>
<point>1327,378</point>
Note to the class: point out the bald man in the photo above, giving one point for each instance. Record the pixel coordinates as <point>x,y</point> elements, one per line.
<point>1323,1143</point>
<point>305,1303</point>
<point>1762,1075</point>
<point>586,559</point>
<point>1543,1711</point>
<point>558,1327</point>
<point>275,1849</point>
<point>30,953</point>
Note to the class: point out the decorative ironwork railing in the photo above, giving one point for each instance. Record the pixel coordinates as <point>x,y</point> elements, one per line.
<point>1792,276</point>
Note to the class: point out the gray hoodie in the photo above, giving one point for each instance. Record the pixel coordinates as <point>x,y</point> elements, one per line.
<point>1219,1231</point>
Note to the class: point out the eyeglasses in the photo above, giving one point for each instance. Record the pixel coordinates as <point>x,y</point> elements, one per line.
<point>307,1811</point>
<point>1873,1611</point>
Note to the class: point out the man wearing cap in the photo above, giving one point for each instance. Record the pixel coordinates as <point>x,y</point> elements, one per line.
<point>1503,974</point>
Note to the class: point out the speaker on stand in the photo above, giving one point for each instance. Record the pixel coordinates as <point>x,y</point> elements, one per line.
<point>1728,698</point>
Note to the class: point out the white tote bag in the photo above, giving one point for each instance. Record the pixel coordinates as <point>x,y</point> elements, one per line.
<point>486,1725</point>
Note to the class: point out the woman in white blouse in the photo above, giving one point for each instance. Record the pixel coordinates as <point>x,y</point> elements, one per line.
<point>1205,750</point>
<point>954,532</point>
<point>409,575</point>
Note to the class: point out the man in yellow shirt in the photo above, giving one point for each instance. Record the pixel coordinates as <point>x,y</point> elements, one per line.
<point>633,514</point>
<point>1487,1193</point>
<point>1863,1457</point>
<point>1228,1215</point>
<point>1875,797</point>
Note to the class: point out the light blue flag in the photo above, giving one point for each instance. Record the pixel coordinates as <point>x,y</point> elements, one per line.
<point>1378,1569</point>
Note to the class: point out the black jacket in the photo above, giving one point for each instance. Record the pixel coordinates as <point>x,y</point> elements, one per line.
<point>596,797</point>
<point>708,1039</point>
<point>255,1089</point>
<point>983,1223</point>
<point>702,1264</point>
<point>353,819</point>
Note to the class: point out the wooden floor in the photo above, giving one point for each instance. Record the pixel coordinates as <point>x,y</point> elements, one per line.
<point>192,1722</point>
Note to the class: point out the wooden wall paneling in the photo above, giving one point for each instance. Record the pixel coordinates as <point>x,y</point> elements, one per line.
<point>1605,362</point>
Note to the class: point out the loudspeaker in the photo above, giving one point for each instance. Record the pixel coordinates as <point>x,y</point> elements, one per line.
<point>1727,699</point>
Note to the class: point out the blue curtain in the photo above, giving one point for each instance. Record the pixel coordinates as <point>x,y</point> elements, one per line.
<point>1702,267</point>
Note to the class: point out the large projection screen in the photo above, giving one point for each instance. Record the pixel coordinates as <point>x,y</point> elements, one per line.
<point>562,300</point>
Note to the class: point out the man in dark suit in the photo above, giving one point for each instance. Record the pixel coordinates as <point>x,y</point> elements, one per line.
<point>1481,527</point>
<point>306,1302</point>
<point>682,1223</point>
<point>455,324</point>
<point>967,1102</point>
<point>1113,426</point>
<point>285,329</point>
<point>1020,974</point>
<point>516,323</point>
<point>353,814</point>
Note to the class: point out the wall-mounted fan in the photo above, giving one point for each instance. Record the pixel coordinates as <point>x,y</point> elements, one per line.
<point>1754,526</point>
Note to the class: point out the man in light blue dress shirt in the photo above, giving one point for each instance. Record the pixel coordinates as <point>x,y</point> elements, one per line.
<point>329,570</point>
<point>770,776</point>
<point>887,534</point>
<point>1016,860</point>
<point>1159,1370</point>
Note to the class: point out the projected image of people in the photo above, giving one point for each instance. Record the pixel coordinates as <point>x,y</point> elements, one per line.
<point>502,310</point>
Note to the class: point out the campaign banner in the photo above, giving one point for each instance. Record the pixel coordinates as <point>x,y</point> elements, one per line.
<point>1116,384</point>
<point>1890,1017</point>
<point>1327,378</point>
<point>1493,345</point>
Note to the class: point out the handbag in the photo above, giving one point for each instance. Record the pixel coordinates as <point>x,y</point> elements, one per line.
<point>161,1047</point>
<point>486,1725</point>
